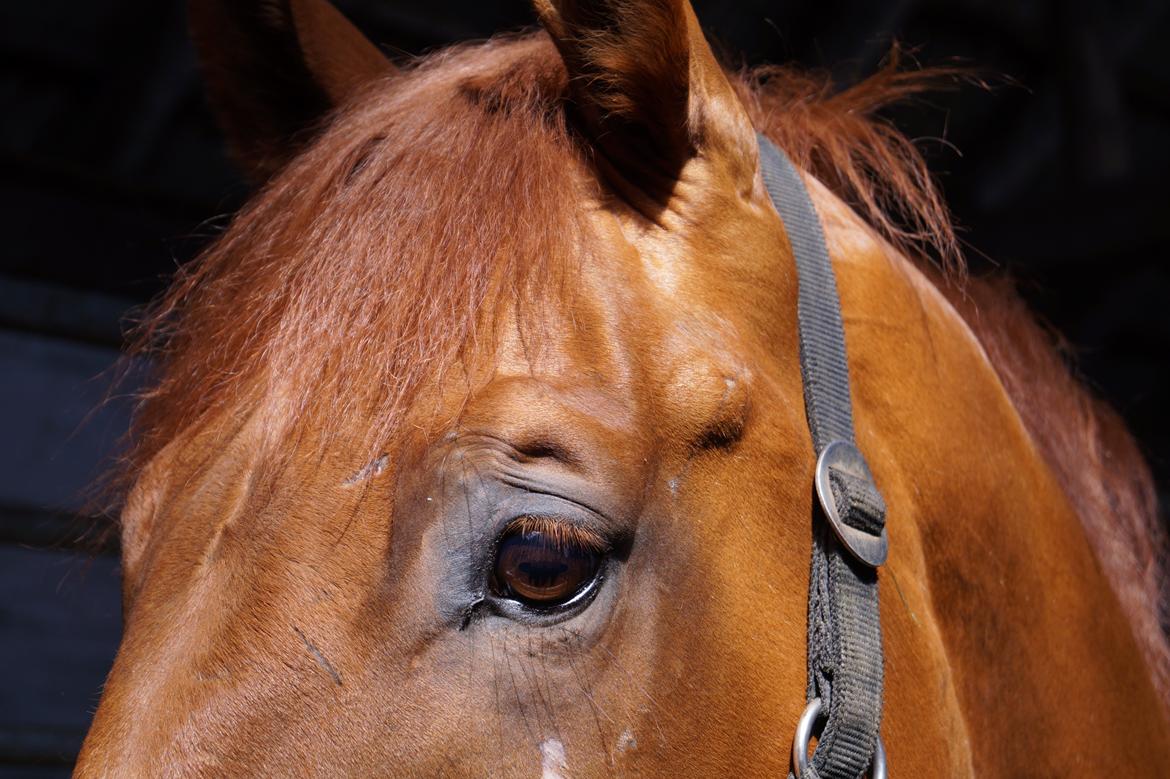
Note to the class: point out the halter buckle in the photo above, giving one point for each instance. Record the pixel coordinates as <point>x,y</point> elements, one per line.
<point>846,461</point>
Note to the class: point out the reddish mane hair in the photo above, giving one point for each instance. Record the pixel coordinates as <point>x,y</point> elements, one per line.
<point>378,259</point>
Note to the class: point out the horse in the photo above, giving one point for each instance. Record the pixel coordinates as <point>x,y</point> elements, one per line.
<point>476,445</point>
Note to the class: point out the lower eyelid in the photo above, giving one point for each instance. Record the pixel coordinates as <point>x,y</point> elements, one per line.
<point>537,617</point>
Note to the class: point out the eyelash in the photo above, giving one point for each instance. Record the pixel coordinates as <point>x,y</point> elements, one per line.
<point>562,533</point>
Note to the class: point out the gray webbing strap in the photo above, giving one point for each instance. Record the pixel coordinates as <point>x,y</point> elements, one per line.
<point>844,630</point>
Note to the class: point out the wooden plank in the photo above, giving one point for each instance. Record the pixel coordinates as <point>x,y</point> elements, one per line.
<point>54,420</point>
<point>60,622</point>
<point>51,309</point>
<point>57,530</point>
<point>60,610</point>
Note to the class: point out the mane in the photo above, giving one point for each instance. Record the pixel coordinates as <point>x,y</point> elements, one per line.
<point>374,262</point>
<point>380,257</point>
<point>1092,453</point>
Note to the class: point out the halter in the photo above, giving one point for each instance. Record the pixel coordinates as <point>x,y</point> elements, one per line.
<point>849,535</point>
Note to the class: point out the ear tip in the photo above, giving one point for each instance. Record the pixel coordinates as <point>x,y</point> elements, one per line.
<point>273,68</point>
<point>549,14</point>
<point>335,51</point>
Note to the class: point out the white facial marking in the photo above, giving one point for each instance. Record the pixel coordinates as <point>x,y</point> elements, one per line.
<point>552,762</point>
<point>626,741</point>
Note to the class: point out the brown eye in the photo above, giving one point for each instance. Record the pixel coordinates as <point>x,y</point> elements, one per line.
<point>544,563</point>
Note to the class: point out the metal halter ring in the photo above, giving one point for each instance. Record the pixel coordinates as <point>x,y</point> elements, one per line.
<point>804,731</point>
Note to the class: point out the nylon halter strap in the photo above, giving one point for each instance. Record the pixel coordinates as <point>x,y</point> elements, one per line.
<point>849,536</point>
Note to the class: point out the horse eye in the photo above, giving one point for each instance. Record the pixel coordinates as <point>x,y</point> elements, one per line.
<point>545,563</point>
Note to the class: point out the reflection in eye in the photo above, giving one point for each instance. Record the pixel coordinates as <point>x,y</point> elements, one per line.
<point>545,562</point>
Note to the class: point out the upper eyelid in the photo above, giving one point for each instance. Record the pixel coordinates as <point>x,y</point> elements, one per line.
<point>564,476</point>
<point>540,498</point>
<point>532,447</point>
<point>570,488</point>
<point>540,503</point>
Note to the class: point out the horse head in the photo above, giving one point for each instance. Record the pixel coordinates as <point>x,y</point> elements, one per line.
<point>478,443</point>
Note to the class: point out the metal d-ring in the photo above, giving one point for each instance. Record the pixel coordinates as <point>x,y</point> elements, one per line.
<point>803,736</point>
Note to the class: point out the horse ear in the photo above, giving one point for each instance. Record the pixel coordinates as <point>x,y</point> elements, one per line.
<point>275,68</point>
<point>647,89</point>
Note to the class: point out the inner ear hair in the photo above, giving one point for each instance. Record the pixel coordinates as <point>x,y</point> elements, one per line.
<point>647,91</point>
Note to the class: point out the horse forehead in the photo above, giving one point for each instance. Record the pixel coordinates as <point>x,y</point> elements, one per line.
<point>646,365</point>
<point>707,368</point>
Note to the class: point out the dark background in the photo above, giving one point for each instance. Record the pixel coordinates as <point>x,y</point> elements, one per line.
<point>112,172</point>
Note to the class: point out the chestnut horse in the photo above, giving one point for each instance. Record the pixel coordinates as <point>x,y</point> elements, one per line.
<point>478,445</point>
